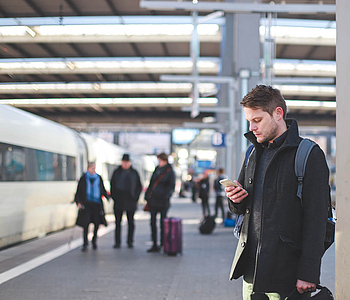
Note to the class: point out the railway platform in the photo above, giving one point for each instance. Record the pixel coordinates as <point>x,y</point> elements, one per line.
<point>54,268</point>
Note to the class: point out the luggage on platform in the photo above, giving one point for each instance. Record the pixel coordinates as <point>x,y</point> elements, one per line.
<point>207,225</point>
<point>172,236</point>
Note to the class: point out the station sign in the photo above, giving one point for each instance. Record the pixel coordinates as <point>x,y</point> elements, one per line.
<point>218,139</point>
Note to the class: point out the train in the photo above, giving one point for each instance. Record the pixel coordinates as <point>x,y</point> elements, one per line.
<point>41,162</point>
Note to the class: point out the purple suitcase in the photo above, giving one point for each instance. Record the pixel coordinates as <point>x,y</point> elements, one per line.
<point>172,236</point>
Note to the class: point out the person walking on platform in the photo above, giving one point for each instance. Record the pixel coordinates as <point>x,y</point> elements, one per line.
<point>282,236</point>
<point>158,195</point>
<point>220,193</point>
<point>204,188</point>
<point>88,198</point>
<point>125,191</point>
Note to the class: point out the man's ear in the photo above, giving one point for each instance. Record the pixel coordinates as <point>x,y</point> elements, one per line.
<point>278,113</point>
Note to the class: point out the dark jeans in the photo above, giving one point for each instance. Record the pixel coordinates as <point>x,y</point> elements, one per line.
<point>131,226</point>
<point>85,234</point>
<point>154,212</point>
<point>205,206</point>
<point>219,204</point>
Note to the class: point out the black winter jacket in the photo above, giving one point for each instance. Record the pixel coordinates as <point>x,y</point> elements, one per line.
<point>159,196</point>
<point>128,199</point>
<point>84,215</point>
<point>291,242</point>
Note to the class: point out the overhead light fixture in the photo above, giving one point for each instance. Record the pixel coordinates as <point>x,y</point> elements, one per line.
<point>109,101</point>
<point>307,90</point>
<point>105,87</point>
<point>109,65</point>
<point>306,104</point>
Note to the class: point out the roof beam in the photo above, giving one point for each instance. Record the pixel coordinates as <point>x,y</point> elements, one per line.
<point>235,7</point>
<point>35,7</point>
<point>73,7</point>
<point>112,7</point>
<point>110,38</point>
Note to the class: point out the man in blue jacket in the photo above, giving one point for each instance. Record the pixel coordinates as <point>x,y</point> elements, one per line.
<point>282,239</point>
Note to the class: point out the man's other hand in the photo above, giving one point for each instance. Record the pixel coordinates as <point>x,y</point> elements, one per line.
<point>304,286</point>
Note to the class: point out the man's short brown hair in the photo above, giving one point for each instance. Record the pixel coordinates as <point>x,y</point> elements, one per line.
<point>265,97</point>
<point>163,156</point>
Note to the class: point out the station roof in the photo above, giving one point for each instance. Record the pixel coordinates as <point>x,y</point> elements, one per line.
<point>99,62</point>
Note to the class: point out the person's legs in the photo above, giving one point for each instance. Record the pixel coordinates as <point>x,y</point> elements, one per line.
<point>85,237</point>
<point>216,206</point>
<point>94,238</point>
<point>248,293</point>
<point>163,214</point>
<point>155,247</point>
<point>131,227</point>
<point>205,206</point>
<point>118,214</point>
<point>220,201</point>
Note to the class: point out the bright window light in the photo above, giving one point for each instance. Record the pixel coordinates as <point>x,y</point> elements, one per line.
<point>106,86</point>
<point>109,101</point>
<point>311,104</point>
<point>105,63</point>
<point>128,30</point>
<point>206,154</point>
<point>304,67</point>
<point>310,90</point>
<point>300,32</point>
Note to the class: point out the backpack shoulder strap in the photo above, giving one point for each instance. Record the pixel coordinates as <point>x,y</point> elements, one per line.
<point>301,157</point>
<point>248,153</point>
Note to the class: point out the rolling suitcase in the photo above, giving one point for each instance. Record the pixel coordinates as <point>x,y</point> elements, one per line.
<point>172,236</point>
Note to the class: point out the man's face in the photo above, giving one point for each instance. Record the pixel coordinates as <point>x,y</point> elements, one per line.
<point>126,164</point>
<point>161,162</point>
<point>263,125</point>
<point>92,169</point>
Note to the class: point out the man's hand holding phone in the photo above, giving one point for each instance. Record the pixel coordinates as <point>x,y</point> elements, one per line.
<point>234,190</point>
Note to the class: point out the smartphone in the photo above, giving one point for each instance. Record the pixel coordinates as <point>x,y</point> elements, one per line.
<point>228,182</point>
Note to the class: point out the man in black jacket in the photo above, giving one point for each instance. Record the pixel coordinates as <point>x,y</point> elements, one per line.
<point>125,191</point>
<point>282,239</point>
<point>158,195</point>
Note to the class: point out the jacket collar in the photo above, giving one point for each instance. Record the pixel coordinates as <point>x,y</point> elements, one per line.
<point>292,138</point>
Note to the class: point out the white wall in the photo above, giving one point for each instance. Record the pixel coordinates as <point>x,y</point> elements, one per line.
<point>342,244</point>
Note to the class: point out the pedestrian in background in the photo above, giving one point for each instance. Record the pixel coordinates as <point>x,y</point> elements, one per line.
<point>88,198</point>
<point>282,238</point>
<point>125,191</point>
<point>158,195</point>
<point>220,193</point>
<point>204,188</point>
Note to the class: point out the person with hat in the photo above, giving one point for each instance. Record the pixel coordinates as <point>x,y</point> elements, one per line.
<point>125,191</point>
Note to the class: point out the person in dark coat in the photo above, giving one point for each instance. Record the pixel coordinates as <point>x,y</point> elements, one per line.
<point>158,195</point>
<point>282,239</point>
<point>204,188</point>
<point>220,193</point>
<point>125,191</point>
<point>88,198</point>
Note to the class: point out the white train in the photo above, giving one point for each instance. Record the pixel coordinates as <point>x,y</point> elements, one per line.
<point>40,163</point>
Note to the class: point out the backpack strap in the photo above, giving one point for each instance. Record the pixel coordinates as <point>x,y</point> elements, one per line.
<point>301,157</point>
<point>247,154</point>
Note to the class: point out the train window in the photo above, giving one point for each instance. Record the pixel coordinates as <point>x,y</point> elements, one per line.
<point>71,167</point>
<point>14,163</point>
<point>25,164</point>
